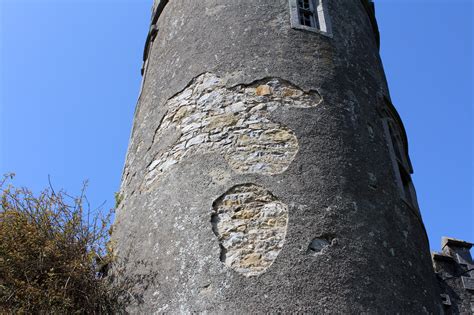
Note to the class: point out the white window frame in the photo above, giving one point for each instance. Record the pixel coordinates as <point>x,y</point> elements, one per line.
<point>320,17</point>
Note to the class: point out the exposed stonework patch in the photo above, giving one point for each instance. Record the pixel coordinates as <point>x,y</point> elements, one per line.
<point>266,149</point>
<point>251,225</point>
<point>232,121</point>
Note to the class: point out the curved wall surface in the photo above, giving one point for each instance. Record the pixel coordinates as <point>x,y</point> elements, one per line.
<point>259,177</point>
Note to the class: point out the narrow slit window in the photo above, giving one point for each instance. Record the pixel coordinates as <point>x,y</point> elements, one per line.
<point>400,164</point>
<point>310,15</point>
<point>407,184</point>
<point>397,143</point>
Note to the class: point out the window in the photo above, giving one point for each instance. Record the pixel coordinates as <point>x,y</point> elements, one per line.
<point>310,15</point>
<point>396,141</point>
<point>407,184</point>
<point>306,13</point>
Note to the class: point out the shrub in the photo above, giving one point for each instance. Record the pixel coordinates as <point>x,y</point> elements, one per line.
<point>53,253</point>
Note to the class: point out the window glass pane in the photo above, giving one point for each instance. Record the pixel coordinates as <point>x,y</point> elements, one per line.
<point>304,4</point>
<point>308,14</point>
<point>306,19</point>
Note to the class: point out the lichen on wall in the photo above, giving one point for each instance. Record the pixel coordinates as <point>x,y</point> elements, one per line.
<point>233,122</point>
<point>250,224</point>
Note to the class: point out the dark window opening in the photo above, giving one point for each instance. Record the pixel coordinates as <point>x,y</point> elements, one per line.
<point>307,13</point>
<point>397,143</point>
<point>306,19</point>
<point>407,184</point>
<point>304,4</point>
<point>400,163</point>
<point>311,15</point>
<point>396,146</point>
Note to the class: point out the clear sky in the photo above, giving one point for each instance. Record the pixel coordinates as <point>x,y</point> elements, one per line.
<point>70,76</point>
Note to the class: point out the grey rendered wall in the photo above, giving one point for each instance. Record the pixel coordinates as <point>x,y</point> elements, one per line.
<point>370,251</point>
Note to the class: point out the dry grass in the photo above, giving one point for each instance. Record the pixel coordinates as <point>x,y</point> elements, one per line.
<point>53,254</point>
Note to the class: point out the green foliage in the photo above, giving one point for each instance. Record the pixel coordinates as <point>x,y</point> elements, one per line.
<point>53,254</point>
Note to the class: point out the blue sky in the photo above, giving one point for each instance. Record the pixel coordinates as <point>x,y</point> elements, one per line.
<point>70,76</point>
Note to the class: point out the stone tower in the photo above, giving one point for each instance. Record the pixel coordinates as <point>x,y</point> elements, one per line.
<point>268,170</point>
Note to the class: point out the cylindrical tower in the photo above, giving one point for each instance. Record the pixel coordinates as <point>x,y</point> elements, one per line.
<point>267,169</point>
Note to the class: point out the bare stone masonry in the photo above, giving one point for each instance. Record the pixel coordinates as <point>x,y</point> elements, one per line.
<point>454,268</point>
<point>210,117</point>
<point>250,224</point>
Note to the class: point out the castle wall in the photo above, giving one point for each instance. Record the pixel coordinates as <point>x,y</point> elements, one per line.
<point>258,176</point>
<point>454,269</point>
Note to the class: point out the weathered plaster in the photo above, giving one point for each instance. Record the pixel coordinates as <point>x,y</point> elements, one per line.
<point>163,233</point>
